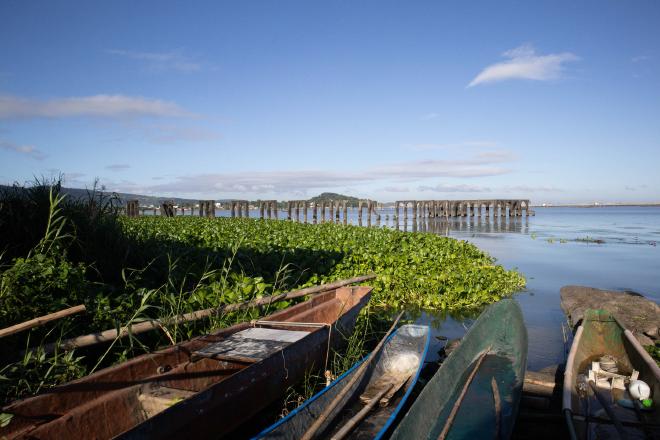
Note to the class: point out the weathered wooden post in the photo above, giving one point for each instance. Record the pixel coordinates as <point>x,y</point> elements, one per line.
<point>345,210</point>
<point>132,208</point>
<point>288,210</point>
<point>167,209</point>
<point>315,209</point>
<point>360,202</point>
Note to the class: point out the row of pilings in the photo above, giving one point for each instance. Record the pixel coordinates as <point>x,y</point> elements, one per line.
<point>298,210</point>
<point>338,210</point>
<point>462,208</point>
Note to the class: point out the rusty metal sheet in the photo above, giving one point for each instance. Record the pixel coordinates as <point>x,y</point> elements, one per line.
<point>252,344</point>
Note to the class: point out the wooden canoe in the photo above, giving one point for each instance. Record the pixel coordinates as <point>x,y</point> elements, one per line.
<point>204,387</point>
<point>599,334</point>
<point>398,364</point>
<point>476,392</point>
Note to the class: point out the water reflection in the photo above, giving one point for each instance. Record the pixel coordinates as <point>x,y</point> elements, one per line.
<point>463,225</point>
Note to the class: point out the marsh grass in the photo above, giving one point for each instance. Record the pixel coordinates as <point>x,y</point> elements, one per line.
<point>46,280</point>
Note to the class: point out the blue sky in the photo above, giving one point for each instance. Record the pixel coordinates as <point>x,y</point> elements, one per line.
<point>552,101</point>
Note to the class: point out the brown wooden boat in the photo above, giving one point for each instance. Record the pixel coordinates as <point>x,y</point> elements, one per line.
<point>204,387</point>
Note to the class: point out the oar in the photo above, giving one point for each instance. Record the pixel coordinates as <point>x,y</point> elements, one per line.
<point>321,419</point>
<point>615,420</point>
<point>457,405</point>
<point>357,418</point>
<point>498,406</point>
<point>381,397</point>
<point>36,322</point>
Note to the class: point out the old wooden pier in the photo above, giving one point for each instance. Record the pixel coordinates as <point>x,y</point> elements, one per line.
<point>338,210</point>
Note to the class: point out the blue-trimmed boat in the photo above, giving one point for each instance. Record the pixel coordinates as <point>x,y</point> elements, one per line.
<point>368,410</point>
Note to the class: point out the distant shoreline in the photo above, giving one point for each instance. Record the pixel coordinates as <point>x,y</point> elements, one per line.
<point>600,205</point>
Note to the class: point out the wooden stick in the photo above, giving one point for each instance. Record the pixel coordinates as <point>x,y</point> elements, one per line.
<point>608,410</point>
<point>152,324</point>
<point>498,406</point>
<point>359,373</point>
<point>457,405</point>
<point>36,322</point>
<point>357,418</point>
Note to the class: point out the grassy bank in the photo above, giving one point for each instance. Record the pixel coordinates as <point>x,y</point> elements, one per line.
<point>59,253</point>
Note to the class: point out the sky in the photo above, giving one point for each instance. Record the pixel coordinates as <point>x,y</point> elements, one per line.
<point>555,101</point>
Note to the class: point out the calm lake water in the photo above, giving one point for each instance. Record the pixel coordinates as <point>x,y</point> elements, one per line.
<point>544,248</point>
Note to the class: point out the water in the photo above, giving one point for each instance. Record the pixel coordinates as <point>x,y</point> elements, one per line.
<point>545,250</point>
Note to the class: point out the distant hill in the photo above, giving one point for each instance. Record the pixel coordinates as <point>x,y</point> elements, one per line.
<point>328,196</point>
<point>78,193</point>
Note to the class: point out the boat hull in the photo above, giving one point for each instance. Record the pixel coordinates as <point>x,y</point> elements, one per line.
<point>599,334</point>
<point>405,348</point>
<point>499,331</point>
<point>208,396</point>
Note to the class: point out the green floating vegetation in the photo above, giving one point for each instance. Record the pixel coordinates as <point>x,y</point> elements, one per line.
<point>588,239</point>
<point>413,269</point>
<point>654,351</point>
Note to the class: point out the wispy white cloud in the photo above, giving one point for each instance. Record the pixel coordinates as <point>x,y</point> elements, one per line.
<point>174,60</point>
<point>444,188</point>
<point>118,167</point>
<point>430,116</point>
<point>530,189</point>
<point>640,58</point>
<point>291,181</point>
<point>173,134</point>
<point>26,150</point>
<point>111,106</point>
<point>524,63</point>
<point>452,146</point>
<point>395,189</point>
<point>464,188</point>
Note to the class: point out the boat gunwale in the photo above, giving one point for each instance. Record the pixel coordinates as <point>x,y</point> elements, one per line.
<point>395,412</point>
<point>409,390</point>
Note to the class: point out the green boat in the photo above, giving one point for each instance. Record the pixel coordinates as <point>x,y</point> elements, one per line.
<point>598,409</point>
<point>476,392</point>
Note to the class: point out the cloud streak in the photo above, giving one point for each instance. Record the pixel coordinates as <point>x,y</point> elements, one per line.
<point>26,150</point>
<point>479,165</point>
<point>524,63</point>
<point>108,106</point>
<point>118,167</point>
<point>174,60</point>
<point>443,188</point>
